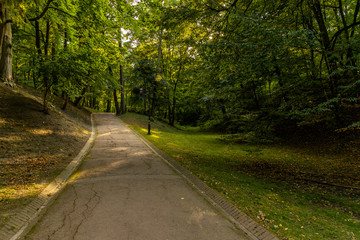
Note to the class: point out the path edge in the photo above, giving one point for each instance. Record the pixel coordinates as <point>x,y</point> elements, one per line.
<point>229,210</point>
<point>21,223</point>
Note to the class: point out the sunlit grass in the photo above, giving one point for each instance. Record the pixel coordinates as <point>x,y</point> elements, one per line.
<point>289,210</point>
<point>15,196</point>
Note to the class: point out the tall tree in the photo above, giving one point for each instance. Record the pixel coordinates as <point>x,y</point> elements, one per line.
<point>6,45</point>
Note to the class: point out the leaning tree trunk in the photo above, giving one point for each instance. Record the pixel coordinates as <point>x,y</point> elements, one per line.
<point>5,47</point>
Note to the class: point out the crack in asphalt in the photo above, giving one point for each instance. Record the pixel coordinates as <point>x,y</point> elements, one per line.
<point>148,163</point>
<point>88,209</point>
<point>66,215</point>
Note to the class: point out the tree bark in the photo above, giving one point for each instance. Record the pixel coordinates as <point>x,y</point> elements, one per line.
<point>117,107</point>
<point>47,37</point>
<point>6,47</point>
<point>326,43</point>
<point>37,38</point>
<point>173,107</point>
<point>122,82</point>
<point>108,105</point>
<point>66,100</point>
<point>78,99</point>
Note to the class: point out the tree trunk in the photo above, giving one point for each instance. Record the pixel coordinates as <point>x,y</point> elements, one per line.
<point>47,37</point>
<point>78,99</point>
<point>37,38</point>
<point>45,105</point>
<point>108,105</point>
<point>94,101</point>
<point>66,100</point>
<point>117,107</point>
<point>122,83</point>
<point>173,107</point>
<point>6,47</point>
<point>66,38</point>
<point>327,48</point>
<point>349,54</point>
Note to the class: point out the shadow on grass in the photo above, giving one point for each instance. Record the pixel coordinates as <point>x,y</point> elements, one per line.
<point>34,147</point>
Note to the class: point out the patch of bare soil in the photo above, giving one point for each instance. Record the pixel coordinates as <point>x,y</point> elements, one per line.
<point>34,147</point>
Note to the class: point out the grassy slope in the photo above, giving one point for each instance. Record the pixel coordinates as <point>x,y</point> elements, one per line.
<point>275,185</point>
<point>34,147</point>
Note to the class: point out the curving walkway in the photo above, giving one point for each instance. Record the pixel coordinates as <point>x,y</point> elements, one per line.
<point>124,191</point>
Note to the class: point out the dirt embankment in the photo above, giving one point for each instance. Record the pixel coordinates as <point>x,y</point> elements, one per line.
<point>34,147</point>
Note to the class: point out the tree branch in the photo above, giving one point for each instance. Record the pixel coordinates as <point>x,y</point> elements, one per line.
<point>43,12</point>
<point>248,6</point>
<point>58,9</point>
<point>337,34</point>
<point>234,4</point>
<point>357,9</point>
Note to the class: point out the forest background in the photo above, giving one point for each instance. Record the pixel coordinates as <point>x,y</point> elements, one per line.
<point>269,68</point>
<point>279,77</point>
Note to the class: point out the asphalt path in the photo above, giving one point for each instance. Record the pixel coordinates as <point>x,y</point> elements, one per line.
<point>124,191</point>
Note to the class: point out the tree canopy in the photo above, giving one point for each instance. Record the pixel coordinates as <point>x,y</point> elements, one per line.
<point>268,67</point>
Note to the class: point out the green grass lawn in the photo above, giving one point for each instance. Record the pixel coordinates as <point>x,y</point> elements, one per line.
<point>276,185</point>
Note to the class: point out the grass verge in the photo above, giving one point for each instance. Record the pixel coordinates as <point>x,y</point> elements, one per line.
<point>295,193</point>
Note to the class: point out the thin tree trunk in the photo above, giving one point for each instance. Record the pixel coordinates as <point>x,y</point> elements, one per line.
<point>78,99</point>
<point>45,105</point>
<point>173,107</point>
<point>6,47</point>
<point>94,100</point>
<point>117,107</point>
<point>47,37</point>
<point>66,38</point>
<point>66,100</point>
<point>122,83</point>
<point>108,105</point>
<point>37,38</point>
<point>116,102</point>
<point>326,43</point>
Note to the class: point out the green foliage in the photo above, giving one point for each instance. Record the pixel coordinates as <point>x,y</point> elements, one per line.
<point>203,63</point>
<point>263,180</point>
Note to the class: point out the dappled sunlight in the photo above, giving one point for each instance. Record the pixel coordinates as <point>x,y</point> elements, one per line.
<point>11,138</point>
<point>80,133</point>
<point>104,134</point>
<point>155,132</point>
<point>41,131</point>
<point>143,130</point>
<point>143,153</point>
<point>117,149</point>
<point>154,135</point>
<point>98,170</point>
<point>21,191</point>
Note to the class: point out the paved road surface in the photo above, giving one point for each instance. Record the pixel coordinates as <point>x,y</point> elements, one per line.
<point>125,192</point>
